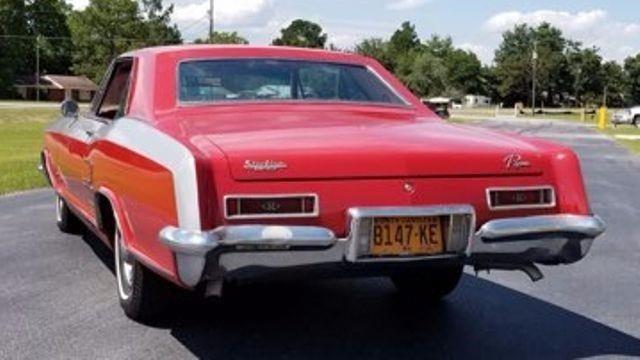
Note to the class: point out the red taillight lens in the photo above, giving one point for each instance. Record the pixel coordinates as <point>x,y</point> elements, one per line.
<point>542,197</point>
<point>232,208</point>
<point>270,206</point>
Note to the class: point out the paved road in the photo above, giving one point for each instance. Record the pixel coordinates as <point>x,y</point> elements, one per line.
<point>57,298</point>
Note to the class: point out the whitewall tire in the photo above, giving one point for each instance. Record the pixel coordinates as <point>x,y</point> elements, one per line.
<point>142,293</point>
<point>66,220</point>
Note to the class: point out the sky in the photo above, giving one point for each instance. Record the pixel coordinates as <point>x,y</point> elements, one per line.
<point>613,26</point>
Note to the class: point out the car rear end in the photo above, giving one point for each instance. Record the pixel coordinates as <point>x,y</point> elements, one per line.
<point>363,181</point>
<point>270,218</point>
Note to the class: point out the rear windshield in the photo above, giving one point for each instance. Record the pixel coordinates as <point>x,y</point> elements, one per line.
<point>277,80</point>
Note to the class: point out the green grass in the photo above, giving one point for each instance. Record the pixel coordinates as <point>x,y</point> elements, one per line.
<point>549,114</point>
<point>633,145</point>
<point>474,115</point>
<point>21,135</point>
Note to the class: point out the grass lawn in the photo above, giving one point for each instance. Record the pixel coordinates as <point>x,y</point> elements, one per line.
<point>21,134</point>
<point>551,114</point>
<point>633,145</point>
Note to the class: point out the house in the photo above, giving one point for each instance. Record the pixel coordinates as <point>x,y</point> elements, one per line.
<point>58,88</point>
<point>476,101</point>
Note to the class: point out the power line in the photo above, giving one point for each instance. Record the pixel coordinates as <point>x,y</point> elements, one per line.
<point>199,21</point>
<point>69,38</point>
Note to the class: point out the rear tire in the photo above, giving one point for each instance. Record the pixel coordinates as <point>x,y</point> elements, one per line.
<point>66,220</point>
<point>636,120</point>
<point>430,285</point>
<point>142,293</point>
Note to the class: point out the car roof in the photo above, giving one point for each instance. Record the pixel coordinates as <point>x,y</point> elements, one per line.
<point>191,51</point>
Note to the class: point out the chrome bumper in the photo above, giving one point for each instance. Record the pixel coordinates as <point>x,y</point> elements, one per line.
<point>506,243</point>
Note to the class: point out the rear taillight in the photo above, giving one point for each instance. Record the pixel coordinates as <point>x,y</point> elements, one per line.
<point>537,197</point>
<point>270,206</point>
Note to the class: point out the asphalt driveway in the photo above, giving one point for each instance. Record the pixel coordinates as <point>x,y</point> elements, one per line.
<point>58,300</point>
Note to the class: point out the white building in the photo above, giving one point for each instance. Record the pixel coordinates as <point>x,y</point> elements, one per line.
<point>476,101</point>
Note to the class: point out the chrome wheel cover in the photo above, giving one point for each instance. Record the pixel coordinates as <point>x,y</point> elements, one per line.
<point>59,206</point>
<point>125,271</point>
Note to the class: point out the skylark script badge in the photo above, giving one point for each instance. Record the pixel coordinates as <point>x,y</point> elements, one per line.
<point>264,165</point>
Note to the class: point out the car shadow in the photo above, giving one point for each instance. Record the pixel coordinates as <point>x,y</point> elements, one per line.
<point>365,318</point>
<point>100,249</point>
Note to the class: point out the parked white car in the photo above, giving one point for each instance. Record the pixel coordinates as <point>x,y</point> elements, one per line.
<point>629,116</point>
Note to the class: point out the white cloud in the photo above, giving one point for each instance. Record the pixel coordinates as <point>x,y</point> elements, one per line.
<point>595,27</point>
<point>235,15</point>
<point>346,34</point>
<point>566,20</point>
<point>405,4</point>
<point>78,4</point>
<point>484,53</point>
<point>227,12</point>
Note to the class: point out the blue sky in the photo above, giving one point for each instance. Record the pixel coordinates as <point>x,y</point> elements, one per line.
<point>613,26</point>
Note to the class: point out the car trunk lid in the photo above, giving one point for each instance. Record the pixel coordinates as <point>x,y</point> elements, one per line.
<point>339,145</point>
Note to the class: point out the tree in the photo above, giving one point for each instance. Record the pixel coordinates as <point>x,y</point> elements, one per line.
<point>224,37</point>
<point>587,74</point>
<point>13,22</point>
<point>553,74</point>
<point>425,75</point>
<point>614,83</point>
<point>632,72</point>
<point>107,28</point>
<point>404,40</point>
<point>48,19</point>
<point>463,68</point>
<point>21,23</point>
<point>302,33</point>
<point>515,64</point>
<point>159,30</point>
<point>375,48</point>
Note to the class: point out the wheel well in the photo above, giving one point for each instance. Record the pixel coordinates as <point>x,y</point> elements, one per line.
<point>104,216</point>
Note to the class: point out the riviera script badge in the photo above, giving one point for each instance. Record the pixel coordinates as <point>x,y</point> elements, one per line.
<point>264,165</point>
<point>515,162</point>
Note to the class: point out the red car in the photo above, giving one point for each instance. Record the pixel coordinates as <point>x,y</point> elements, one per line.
<point>205,165</point>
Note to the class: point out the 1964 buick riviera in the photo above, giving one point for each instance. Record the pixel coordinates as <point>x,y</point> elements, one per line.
<point>204,165</point>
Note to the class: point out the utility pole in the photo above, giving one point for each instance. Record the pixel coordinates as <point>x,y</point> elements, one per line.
<point>534,59</point>
<point>38,68</point>
<point>210,20</point>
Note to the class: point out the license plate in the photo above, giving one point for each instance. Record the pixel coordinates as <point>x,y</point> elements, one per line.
<point>397,236</point>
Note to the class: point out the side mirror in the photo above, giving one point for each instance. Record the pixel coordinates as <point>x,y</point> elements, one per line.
<point>69,108</point>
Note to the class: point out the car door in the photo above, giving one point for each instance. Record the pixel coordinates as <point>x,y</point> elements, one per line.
<point>110,104</point>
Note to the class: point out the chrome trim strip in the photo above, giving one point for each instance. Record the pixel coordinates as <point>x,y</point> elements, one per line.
<point>315,213</point>
<point>389,86</point>
<point>589,226</point>
<point>521,188</point>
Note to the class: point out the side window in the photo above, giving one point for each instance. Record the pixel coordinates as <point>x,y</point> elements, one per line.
<point>113,102</point>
